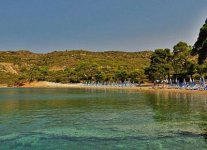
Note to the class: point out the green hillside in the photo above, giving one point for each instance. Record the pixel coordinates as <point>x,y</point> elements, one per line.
<point>72,66</point>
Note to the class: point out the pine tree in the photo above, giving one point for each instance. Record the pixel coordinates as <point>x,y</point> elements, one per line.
<point>200,47</point>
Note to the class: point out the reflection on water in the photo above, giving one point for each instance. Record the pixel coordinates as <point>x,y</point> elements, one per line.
<point>101,119</point>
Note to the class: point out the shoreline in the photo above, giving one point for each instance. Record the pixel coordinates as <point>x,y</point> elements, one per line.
<point>144,88</point>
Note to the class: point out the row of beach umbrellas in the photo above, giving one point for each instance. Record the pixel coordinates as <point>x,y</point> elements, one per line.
<point>202,80</point>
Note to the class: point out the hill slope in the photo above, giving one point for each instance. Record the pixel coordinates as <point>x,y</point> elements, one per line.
<point>69,66</point>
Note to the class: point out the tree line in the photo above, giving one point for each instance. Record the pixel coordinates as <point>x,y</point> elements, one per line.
<point>183,61</point>
<point>83,72</point>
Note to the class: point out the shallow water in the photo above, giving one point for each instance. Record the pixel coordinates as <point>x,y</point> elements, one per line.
<point>46,119</point>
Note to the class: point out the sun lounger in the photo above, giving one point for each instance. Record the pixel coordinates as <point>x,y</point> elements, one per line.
<point>195,87</point>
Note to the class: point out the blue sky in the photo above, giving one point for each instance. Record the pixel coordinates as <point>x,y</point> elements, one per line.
<point>130,25</point>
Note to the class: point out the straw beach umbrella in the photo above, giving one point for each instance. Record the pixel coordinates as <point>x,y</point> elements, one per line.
<point>170,81</point>
<point>184,81</point>
<point>203,81</point>
<point>203,78</point>
<point>166,81</point>
<point>200,80</point>
<point>190,80</point>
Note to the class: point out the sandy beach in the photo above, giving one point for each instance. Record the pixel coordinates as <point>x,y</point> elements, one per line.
<point>143,88</point>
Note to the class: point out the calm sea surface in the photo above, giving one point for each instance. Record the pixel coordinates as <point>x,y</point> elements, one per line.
<point>63,119</point>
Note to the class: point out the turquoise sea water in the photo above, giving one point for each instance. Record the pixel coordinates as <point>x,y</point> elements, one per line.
<point>47,119</point>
